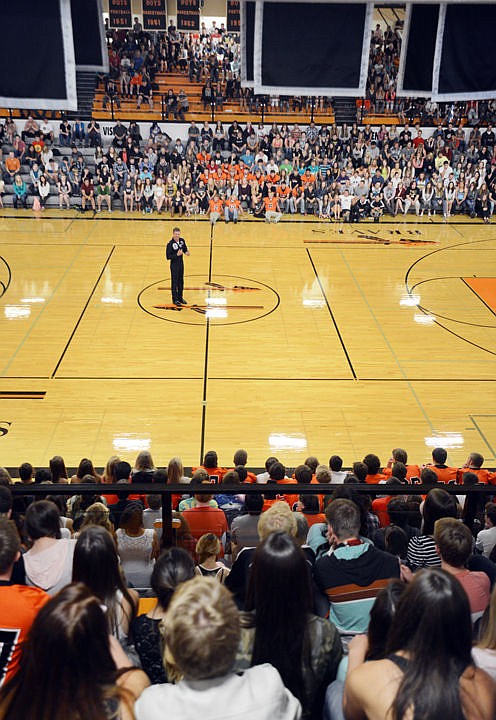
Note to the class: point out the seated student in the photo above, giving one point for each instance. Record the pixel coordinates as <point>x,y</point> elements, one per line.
<point>454,544</point>
<point>309,506</point>
<point>20,190</point>
<point>484,653</point>
<point>444,473</point>
<point>244,528</point>
<point>363,648</point>
<point>474,464</point>
<point>305,649</point>
<point>49,561</point>
<point>278,517</point>
<point>207,551</point>
<point>429,672</point>
<point>486,539</point>
<point>353,571</point>
<point>373,467</point>
<point>400,455</point>
<point>422,548</point>
<point>211,465</point>
<point>137,546</point>
<point>19,604</point>
<point>173,567</point>
<point>203,633</point>
<point>71,667</point>
<point>202,518</point>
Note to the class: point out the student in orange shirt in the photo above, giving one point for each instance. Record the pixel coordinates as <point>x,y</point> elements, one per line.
<point>400,455</point>
<point>373,465</point>
<point>240,459</point>
<point>12,164</point>
<point>19,604</point>
<point>211,465</point>
<point>272,211</point>
<point>215,206</point>
<point>474,465</point>
<point>284,195</point>
<point>444,473</point>
<point>309,506</point>
<point>277,473</point>
<point>232,208</point>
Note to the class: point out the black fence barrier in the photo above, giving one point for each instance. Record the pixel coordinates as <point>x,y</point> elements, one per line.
<point>166,492</point>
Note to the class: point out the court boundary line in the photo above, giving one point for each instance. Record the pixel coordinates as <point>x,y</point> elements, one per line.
<point>484,438</point>
<point>204,219</point>
<point>334,322</point>
<point>205,365</point>
<point>82,313</point>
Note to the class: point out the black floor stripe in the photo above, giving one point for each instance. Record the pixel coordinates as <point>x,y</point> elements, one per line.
<point>83,311</point>
<point>350,364</point>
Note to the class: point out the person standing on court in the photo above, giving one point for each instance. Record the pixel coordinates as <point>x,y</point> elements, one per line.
<point>176,248</point>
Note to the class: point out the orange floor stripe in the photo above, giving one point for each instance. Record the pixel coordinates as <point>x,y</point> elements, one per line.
<point>485,288</point>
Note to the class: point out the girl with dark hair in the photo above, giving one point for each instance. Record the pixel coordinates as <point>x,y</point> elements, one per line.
<point>422,549</point>
<point>58,470</point>
<point>48,563</point>
<point>70,666</point>
<point>279,628</point>
<point>85,467</point>
<point>172,568</point>
<point>428,672</point>
<point>96,564</point>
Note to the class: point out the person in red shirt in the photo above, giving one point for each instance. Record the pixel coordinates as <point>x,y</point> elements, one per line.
<point>19,604</point>
<point>87,193</point>
<point>232,209</point>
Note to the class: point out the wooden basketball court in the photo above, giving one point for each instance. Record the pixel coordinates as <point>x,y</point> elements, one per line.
<point>297,339</point>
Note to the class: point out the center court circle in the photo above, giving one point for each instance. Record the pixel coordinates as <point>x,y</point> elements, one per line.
<point>223,300</point>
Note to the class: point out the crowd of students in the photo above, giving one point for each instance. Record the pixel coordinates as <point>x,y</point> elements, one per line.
<point>269,604</point>
<point>340,174</point>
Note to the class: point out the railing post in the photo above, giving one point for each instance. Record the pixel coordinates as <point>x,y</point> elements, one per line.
<point>162,103</point>
<point>212,105</point>
<point>167,534</point>
<point>112,107</point>
<point>312,108</point>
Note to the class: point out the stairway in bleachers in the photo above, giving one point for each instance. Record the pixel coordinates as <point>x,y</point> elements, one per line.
<point>85,87</point>
<point>345,110</point>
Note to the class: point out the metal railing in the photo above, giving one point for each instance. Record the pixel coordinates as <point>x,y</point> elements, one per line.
<point>166,491</point>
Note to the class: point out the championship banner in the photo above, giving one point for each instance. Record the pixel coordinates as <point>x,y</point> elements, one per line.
<point>188,15</point>
<point>154,15</point>
<point>233,16</point>
<point>120,14</point>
